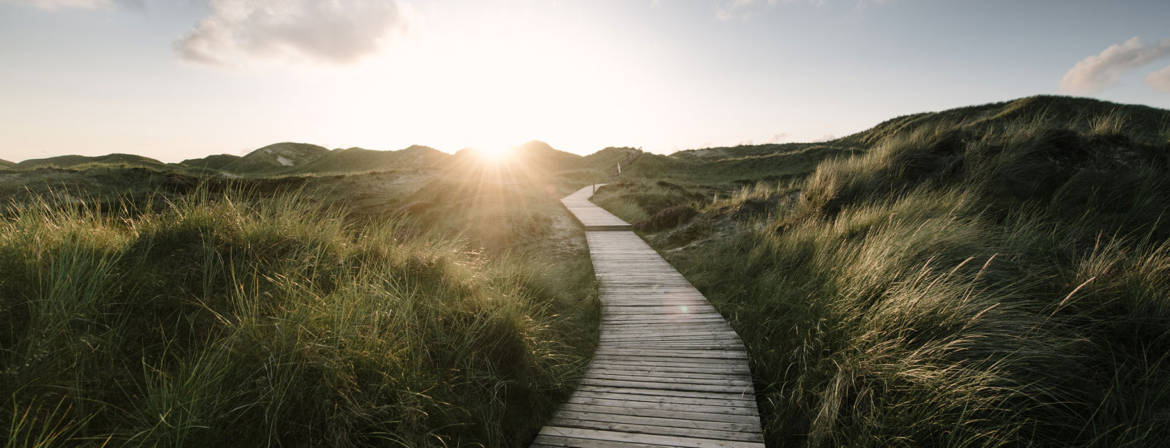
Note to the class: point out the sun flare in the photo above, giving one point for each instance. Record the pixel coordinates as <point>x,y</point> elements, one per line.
<point>494,153</point>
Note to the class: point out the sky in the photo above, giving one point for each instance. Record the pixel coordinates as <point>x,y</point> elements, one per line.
<point>179,79</point>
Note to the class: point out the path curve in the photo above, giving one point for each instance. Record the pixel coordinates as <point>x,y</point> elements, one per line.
<point>669,370</point>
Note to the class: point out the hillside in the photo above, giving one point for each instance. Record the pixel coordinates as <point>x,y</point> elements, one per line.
<point>360,160</point>
<point>534,156</point>
<point>1140,123</point>
<point>74,161</point>
<point>610,157</point>
<point>736,165</point>
<point>275,158</point>
<point>6,164</point>
<point>539,155</point>
<point>306,159</point>
<point>735,152</point>
<point>212,162</point>
<point>994,276</point>
<point>747,163</point>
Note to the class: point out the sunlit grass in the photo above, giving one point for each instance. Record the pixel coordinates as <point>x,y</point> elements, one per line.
<point>229,319</point>
<point>956,285</point>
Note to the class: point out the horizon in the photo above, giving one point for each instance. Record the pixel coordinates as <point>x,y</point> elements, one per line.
<point>182,81</point>
<point>494,151</point>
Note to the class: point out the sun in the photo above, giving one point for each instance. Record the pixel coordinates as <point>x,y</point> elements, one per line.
<point>494,153</point>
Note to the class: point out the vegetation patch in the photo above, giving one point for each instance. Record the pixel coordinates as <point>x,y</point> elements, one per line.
<point>989,276</point>
<point>667,218</point>
<point>231,319</point>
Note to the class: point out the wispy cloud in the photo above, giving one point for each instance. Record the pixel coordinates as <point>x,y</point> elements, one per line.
<point>334,31</point>
<point>53,5</point>
<point>1100,71</point>
<point>1160,80</point>
<point>744,9</point>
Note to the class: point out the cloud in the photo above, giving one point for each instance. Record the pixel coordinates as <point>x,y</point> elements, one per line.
<point>61,4</point>
<point>1095,73</point>
<point>53,5</point>
<point>1160,80</point>
<point>328,31</point>
<point>744,9</point>
<point>738,9</point>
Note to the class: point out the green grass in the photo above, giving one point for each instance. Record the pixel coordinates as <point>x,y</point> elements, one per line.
<point>966,281</point>
<point>242,319</point>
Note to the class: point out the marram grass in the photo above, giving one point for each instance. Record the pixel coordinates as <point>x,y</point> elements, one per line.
<point>959,284</point>
<point>224,319</point>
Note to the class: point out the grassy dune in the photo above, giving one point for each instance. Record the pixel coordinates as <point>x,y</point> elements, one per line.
<point>992,276</point>
<point>982,282</point>
<point>240,319</point>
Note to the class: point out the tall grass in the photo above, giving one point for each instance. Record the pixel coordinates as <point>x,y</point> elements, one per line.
<point>955,286</point>
<point>226,319</point>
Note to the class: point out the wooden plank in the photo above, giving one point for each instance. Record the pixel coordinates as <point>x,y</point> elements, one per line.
<point>668,371</point>
<point>691,363</point>
<point>699,324</point>
<point>626,336</point>
<point>689,309</point>
<point>675,368</point>
<point>685,379</point>
<point>744,415</point>
<point>547,441</point>
<point>651,344</point>
<point>662,399</point>
<point>616,436</point>
<point>663,328</point>
<point>655,421</point>
<point>691,329</point>
<point>678,369</point>
<point>746,394</point>
<point>630,341</point>
<point>641,428</point>
<point>702,354</point>
<point>695,346</point>
<point>665,386</point>
<point>666,360</point>
<point>652,317</point>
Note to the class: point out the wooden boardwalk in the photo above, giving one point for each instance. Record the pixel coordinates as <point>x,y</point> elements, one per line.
<point>669,370</point>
